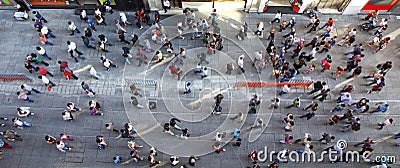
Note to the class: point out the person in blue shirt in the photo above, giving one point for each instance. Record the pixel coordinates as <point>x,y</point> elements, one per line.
<point>236,133</point>
<point>382,107</point>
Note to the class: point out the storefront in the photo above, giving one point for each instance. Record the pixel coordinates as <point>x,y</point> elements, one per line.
<point>379,5</point>
<point>65,3</point>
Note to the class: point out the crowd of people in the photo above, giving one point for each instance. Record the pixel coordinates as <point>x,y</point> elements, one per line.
<point>276,55</point>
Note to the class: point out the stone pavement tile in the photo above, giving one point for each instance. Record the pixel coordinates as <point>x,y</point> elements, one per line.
<point>74,157</point>
<point>115,104</point>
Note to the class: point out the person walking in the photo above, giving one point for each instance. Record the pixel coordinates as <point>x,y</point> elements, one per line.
<point>44,71</point>
<point>295,103</point>
<point>314,26</point>
<point>166,5</point>
<point>47,32</point>
<point>381,107</point>
<point>277,18</point>
<point>28,66</point>
<point>47,82</point>
<point>121,37</point>
<point>39,16</point>
<point>118,26</point>
<point>68,73</point>
<point>187,88</point>
<point>72,47</point>
<point>28,89</point>
<point>253,104</point>
<point>101,143</point>
<point>72,28</point>
<point>43,39</point>
<point>86,42</point>
<point>42,52</point>
<point>24,96</point>
<point>63,65</point>
<point>124,19</point>
<point>61,146</point>
<point>89,33</point>
<point>37,58</point>
<point>388,121</point>
<point>85,86</point>
<point>328,23</point>
<point>240,63</point>
<point>203,58</point>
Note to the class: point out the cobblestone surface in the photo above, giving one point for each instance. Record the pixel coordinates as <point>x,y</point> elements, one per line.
<point>113,94</point>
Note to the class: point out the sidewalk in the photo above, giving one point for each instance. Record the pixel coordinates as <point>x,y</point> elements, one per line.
<point>113,94</point>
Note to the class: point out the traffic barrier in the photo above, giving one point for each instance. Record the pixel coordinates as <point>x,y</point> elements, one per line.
<point>14,76</point>
<point>292,82</point>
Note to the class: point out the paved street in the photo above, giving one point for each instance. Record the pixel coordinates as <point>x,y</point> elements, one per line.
<point>20,38</point>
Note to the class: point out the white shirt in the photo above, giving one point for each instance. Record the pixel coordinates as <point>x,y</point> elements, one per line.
<point>44,30</point>
<point>92,71</point>
<point>383,22</point>
<point>313,52</point>
<point>285,88</point>
<point>45,80</point>
<point>258,56</point>
<point>83,14</point>
<point>71,46</point>
<point>106,64</point>
<point>67,116</point>
<point>387,122</point>
<point>123,17</point>
<point>97,12</point>
<point>27,87</point>
<point>192,16</point>
<point>278,15</point>
<point>24,111</point>
<point>71,106</point>
<point>205,72</point>
<point>100,20</point>
<point>307,148</point>
<point>260,26</point>
<point>72,26</point>
<point>166,3</point>
<point>351,33</point>
<point>18,123</point>
<point>240,61</point>
<point>41,51</point>
<point>60,146</point>
<point>218,138</point>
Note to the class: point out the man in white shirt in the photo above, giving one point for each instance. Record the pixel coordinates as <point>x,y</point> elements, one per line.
<point>47,32</point>
<point>353,32</point>
<point>278,17</point>
<point>47,82</point>
<point>42,52</point>
<point>93,72</point>
<point>285,90</point>
<point>257,57</point>
<point>62,147</point>
<point>72,48</point>
<point>72,28</point>
<point>166,5</point>
<point>241,63</point>
<point>28,89</point>
<point>204,73</point>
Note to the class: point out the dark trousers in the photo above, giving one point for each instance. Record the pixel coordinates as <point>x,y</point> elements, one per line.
<point>276,19</point>
<point>308,115</point>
